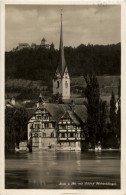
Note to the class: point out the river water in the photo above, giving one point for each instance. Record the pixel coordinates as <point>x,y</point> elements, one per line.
<point>63,170</point>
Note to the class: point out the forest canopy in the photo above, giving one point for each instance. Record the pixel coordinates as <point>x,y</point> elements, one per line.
<point>41,63</point>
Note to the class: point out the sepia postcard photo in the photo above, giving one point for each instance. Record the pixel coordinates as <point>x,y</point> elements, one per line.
<point>62,112</point>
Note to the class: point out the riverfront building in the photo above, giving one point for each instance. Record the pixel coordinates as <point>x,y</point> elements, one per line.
<point>57,126</point>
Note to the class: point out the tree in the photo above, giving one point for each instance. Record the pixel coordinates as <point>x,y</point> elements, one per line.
<point>113,111</point>
<point>15,126</point>
<point>92,93</point>
<point>113,120</point>
<point>41,63</point>
<point>119,112</point>
<point>21,119</point>
<point>102,122</point>
<point>10,136</point>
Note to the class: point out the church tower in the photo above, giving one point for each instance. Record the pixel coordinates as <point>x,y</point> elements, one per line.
<point>61,81</point>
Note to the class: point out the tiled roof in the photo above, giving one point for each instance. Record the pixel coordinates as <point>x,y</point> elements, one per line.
<point>30,112</point>
<point>81,111</point>
<point>75,118</point>
<point>58,110</point>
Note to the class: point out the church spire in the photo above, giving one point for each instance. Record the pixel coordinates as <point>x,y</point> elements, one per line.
<point>61,59</point>
<point>61,81</point>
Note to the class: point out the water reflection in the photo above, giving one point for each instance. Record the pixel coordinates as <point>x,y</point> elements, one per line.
<point>59,170</point>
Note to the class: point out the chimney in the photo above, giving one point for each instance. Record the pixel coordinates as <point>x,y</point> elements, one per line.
<point>12,101</point>
<point>72,106</point>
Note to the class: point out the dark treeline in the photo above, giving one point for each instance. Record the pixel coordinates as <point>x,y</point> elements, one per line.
<point>15,127</point>
<point>40,64</point>
<point>103,125</point>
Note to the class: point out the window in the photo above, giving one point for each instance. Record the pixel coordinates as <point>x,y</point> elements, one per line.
<point>35,135</point>
<point>52,134</point>
<point>57,84</point>
<point>44,134</point>
<point>71,135</point>
<point>66,84</point>
<point>68,121</point>
<point>64,120</point>
<point>82,134</point>
<point>62,134</point>
<point>31,126</point>
<point>53,125</point>
<point>60,126</point>
<point>38,117</point>
<point>45,117</point>
<point>46,125</point>
<point>37,126</point>
<point>78,135</point>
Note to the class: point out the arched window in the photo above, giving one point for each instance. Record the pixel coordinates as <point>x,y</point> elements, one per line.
<point>66,84</point>
<point>57,84</point>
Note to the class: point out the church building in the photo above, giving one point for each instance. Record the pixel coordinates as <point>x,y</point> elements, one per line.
<point>61,81</point>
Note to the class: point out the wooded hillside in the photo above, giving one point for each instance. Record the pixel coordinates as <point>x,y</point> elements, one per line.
<point>40,64</point>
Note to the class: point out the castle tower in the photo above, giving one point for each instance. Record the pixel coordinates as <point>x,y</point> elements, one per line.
<point>61,81</point>
<point>43,42</point>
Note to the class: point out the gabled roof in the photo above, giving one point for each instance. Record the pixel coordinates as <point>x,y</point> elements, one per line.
<point>73,116</point>
<point>58,110</point>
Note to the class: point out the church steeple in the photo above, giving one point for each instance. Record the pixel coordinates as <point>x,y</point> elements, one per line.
<point>61,81</point>
<point>61,59</point>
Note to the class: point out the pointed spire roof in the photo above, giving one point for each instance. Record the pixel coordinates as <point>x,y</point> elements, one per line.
<point>41,99</point>
<point>61,57</point>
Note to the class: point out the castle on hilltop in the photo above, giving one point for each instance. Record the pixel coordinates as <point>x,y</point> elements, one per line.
<point>43,44</point>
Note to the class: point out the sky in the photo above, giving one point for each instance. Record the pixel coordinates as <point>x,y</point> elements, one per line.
<point>82,24</point>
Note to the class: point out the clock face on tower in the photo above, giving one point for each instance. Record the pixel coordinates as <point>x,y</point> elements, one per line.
<point>66,75</point>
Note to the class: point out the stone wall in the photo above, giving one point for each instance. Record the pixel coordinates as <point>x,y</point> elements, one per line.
<point>44,142</point>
